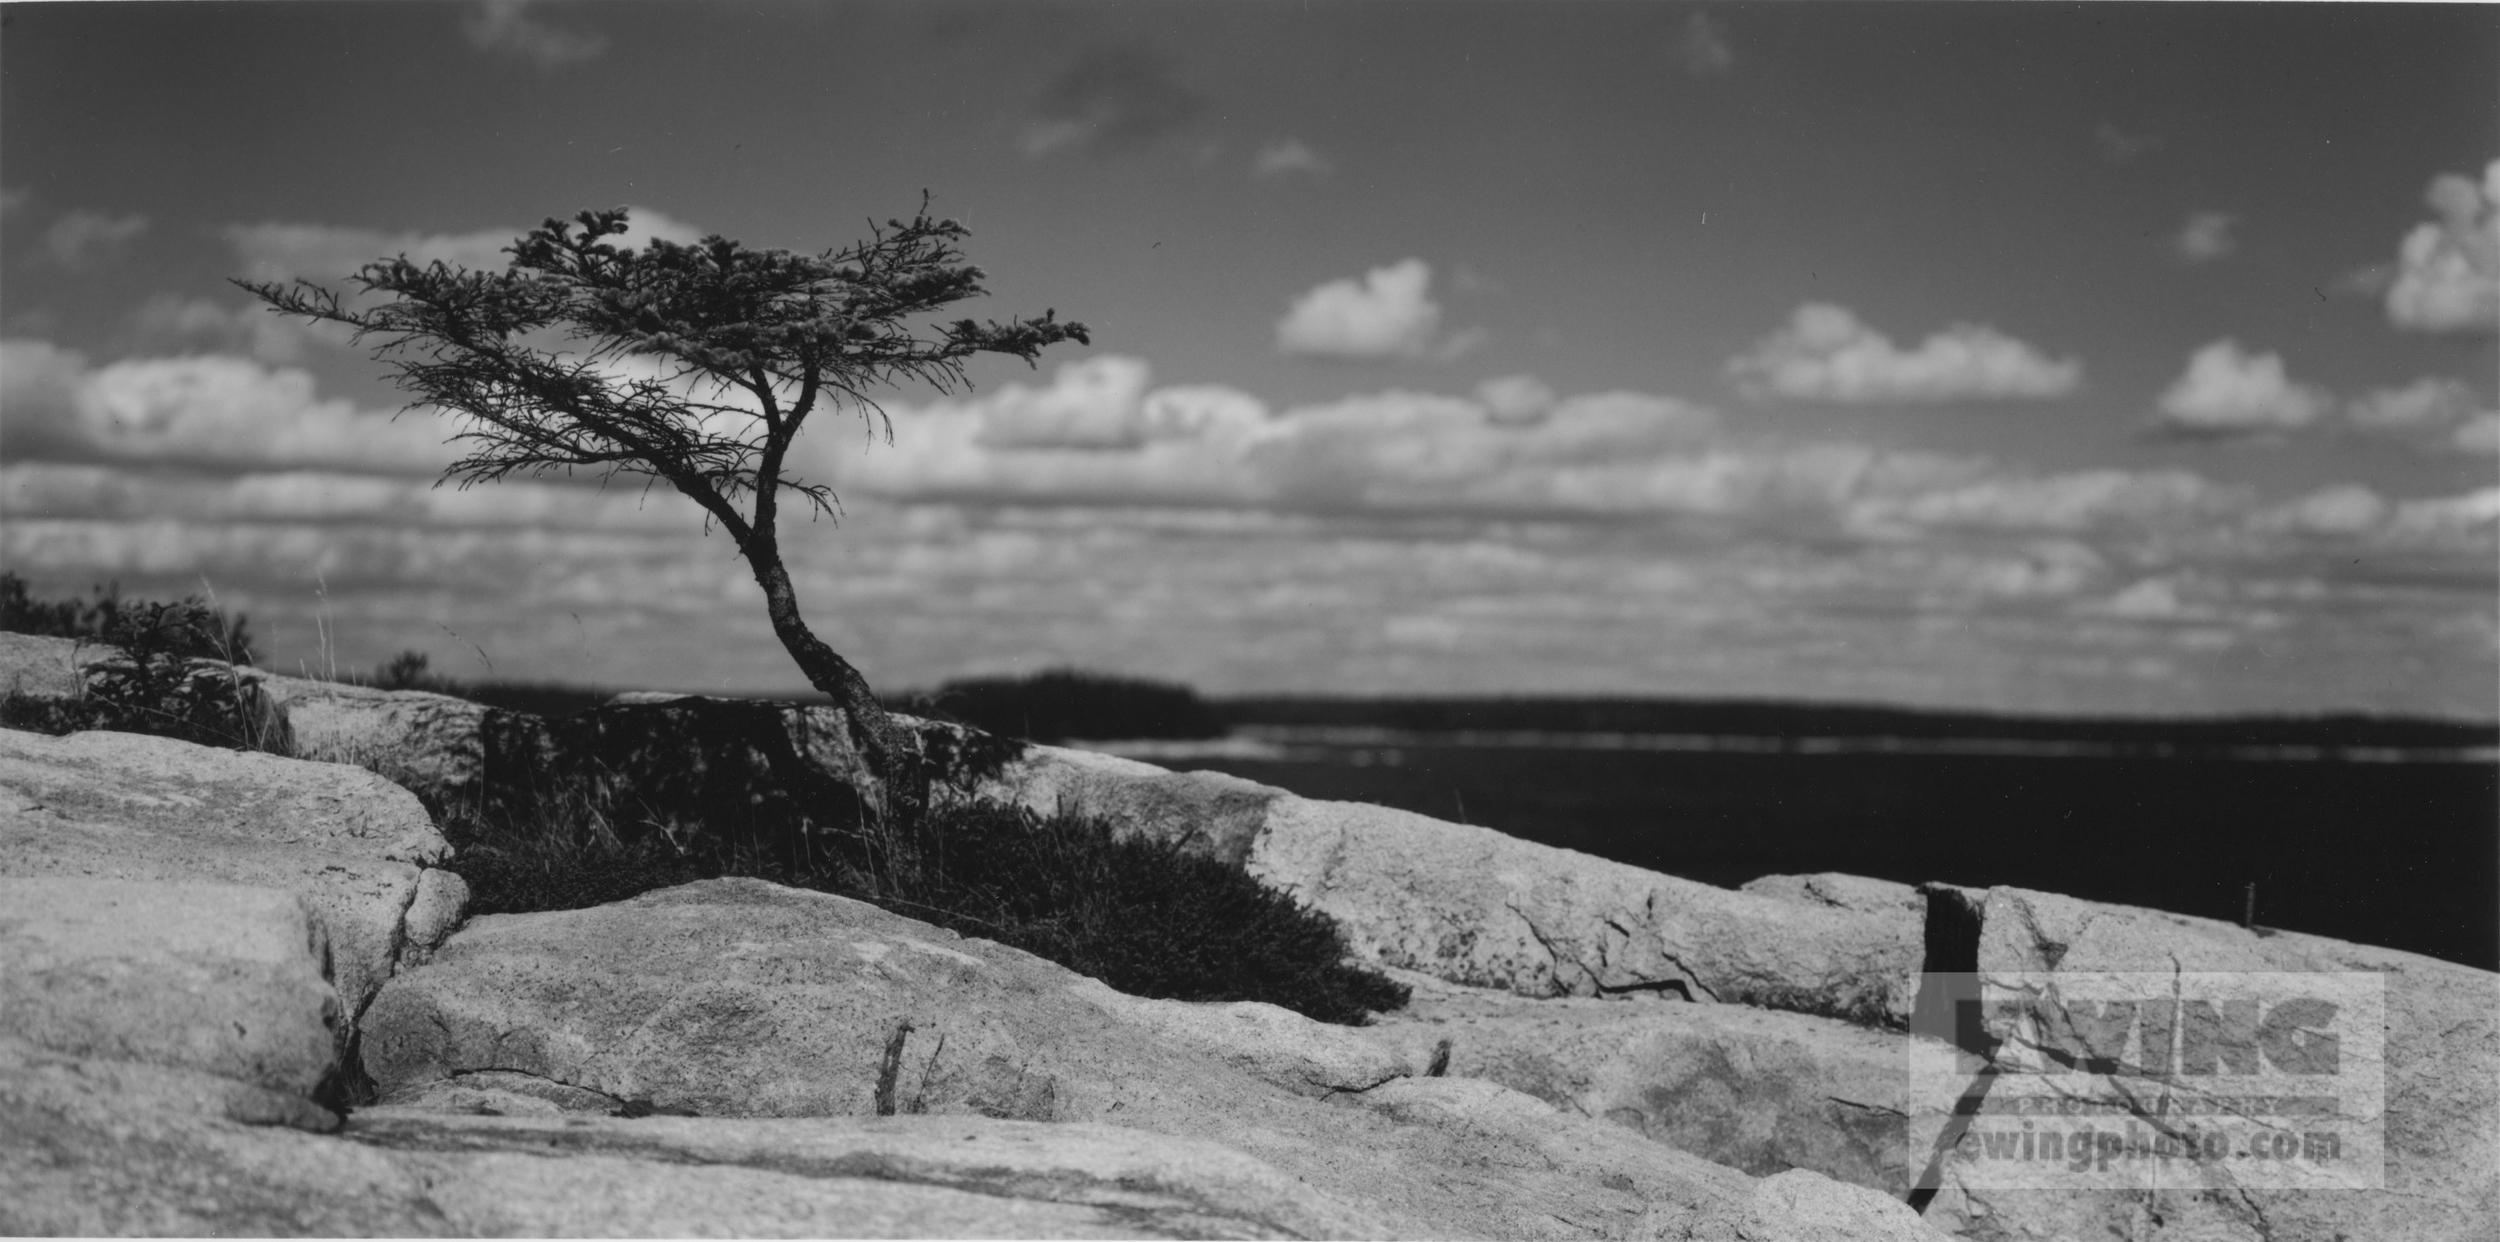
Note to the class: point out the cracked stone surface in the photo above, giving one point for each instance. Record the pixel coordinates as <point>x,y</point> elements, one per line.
<point>128,807</point>
<point>1759,1090</point>
<point>215,977</point>
<point>2442,1065</point>
<point>1475,907</point>
<point>736,998</point>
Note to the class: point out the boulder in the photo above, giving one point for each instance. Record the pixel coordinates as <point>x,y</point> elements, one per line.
<point>1210,812</point>
<point>122,806</point>
<point>2441,1070</point>
<point>433,744</point>
<point>1476,907</point>
<point>740,998</point>
<point>43,667</point>
<point>214,977</point>
<point>1759,1090</point>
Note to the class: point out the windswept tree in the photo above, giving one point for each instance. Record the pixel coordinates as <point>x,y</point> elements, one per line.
<point>693,366</point>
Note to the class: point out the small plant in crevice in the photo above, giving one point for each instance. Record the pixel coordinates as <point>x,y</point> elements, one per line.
<point>172,674</point>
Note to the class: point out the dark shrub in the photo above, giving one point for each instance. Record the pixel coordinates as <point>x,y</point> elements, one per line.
<point>607,804</point>
<point>154,686</point>
<point>1145,916</point>
<point>1066,703</point>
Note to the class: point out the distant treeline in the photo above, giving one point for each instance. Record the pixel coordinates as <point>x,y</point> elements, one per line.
<point>1060,704</point>
<point>1741,718</point>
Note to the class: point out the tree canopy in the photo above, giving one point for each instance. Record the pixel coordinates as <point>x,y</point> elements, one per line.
<point>691,365</point>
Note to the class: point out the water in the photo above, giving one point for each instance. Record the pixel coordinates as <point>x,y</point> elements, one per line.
<point>2382,845</point>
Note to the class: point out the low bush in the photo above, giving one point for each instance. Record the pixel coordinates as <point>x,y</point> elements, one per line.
<point>155,685</point>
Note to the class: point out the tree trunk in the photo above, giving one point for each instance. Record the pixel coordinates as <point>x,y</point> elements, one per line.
<point>892,757</point>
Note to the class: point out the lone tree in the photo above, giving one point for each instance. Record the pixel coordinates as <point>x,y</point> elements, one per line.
<point>690,365</point>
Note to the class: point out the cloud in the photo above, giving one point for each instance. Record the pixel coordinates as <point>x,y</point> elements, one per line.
<point>2479,434</point>
<point>1702,47</point>
<point>505,27</point>
<point>2443,412</point>
<point>1093,404</point>
<point>1826,354</point>
<point>2351,512</point>
<point>1388,314</point>
<point>209,411</point>
<point>1092,439</point>
<point>1111,100</point>
<point>2075,501</point>
<point>274,251</point>
<point>2206,237</point>
<point>2228,392</point>
<point>168,323</point>
<point>14,201</point>
<point>2120,147</point>
<point>1284,157</point>
<point>1516,398</point>
<point>2448,273</point>
<point>83,239</point>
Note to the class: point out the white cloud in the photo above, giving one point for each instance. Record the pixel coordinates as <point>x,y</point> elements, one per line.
<point>2075,501</point>
<point>171,323</point>
<point>2479,434</point>
<point>83,239</point>
<point>1284,157</point>
<point>2428,402</point>
<point>1702,47</point>
<point>1826,354</point>
<point>1516,398</point>
<point>276,251</point>
<point>2148,599</point>
<point>1388,314</point>
<point>1090,404</point>
<point>2448,273</point>
<point>2206,237</point>
<point>2226,391</point>
<point>2353,512</point>
<point>208,410</point>
<point>506,27</point>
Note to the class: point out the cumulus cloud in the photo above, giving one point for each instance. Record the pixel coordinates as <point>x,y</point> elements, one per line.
<point>1387,314</point>
<point>1112,99</point>
<point>325,252</point>
<point>207,410</point>
<point>2227,391</point>
<point>1093,404</point>
<point>506,27</point>
<point>1284,157</point>
<point>1702,47</point>
<point>171,323</point>
<point>2447,275</point>
<point>2351,512</point>
<point>1516,398</point>
<point>2206,237</point>
<point>2426,402</point>
<point>2432,411</point>
<point>84,239</point>
<point>1826,354</point>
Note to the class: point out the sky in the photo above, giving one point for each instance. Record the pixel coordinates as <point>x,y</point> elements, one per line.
<point>2112,359</point>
